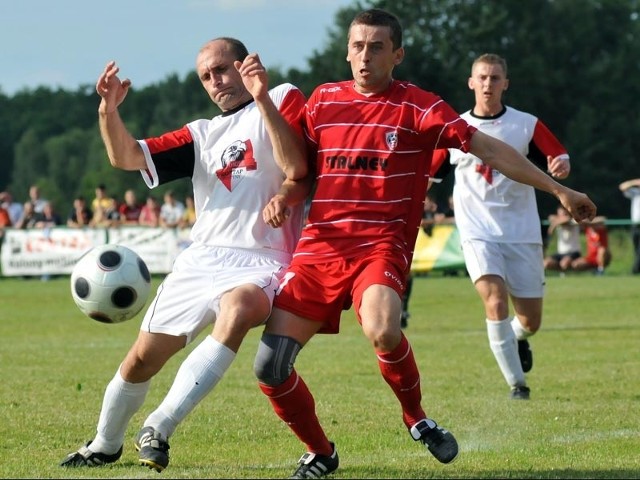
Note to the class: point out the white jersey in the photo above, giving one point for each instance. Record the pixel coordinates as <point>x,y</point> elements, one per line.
<point>230,161</point>
<point>568,236</point>
<point>490,206</point>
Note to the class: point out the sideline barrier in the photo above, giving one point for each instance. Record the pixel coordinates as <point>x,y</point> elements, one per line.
<point>55,251</point>
<point>440,251</point>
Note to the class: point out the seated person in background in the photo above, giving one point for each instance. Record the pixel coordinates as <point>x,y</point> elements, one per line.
<point>48,217</point>
<point>13,208</point>
<point>171,211</point>
<point>5,221</point>
<point>189,215</point>
<point>129,211</point>
<point>150,213</point>
<point>28,218</point>
<point>80,214</point>
<point>36,198</point>
<point>568,238</point>
<point>598,256</point>
<point>104,207</point>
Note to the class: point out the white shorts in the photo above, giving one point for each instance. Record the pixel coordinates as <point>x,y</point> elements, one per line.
<point>188,299</point>
<point>520,265</point>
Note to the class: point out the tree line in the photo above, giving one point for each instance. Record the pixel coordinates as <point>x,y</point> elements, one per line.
<point>574,64</point>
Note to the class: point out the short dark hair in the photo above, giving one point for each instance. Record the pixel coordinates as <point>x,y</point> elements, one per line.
<point>381,18</point>
<point>491,59</point>
<point>240,52</point>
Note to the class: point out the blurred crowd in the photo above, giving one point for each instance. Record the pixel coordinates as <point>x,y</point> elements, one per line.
<point>103,210</point>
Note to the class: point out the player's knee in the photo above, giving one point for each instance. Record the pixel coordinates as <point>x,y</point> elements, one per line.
<point>274,359</point>
<point>135,369</point>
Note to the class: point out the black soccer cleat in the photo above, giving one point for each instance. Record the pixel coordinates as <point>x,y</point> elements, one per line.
<point>153,449</point>
<point>313,465</point>
<point>520,392</point>
<point>87,458</point>
<point>440,442</point>
<point>526,357</point>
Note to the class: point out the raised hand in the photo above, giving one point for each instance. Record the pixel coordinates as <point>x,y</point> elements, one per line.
<point>254,75</point>
<point>111,88</point>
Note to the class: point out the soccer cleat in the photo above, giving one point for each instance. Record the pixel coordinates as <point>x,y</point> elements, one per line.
<point>87,458</point>
<point>526,357</point>
<point>153,449</point>
<point>313,465</point>
<point>520,392</point>
<point>440,442</point>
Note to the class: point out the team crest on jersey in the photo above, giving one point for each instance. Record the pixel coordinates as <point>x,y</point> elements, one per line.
<point>486,171</point>
<point>391,139</point>
<point>237,159</point>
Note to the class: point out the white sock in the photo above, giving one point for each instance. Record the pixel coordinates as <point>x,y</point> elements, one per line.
<point>197,376</point>
<point>121,400</point>
<point>519,330</point>
<point>502,341</point>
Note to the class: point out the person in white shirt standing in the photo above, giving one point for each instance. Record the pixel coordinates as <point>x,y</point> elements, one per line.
<point>230,272</point>
<point>498,220</point>
<point>631,190</point>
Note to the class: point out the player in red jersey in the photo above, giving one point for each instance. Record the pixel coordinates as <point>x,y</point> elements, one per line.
<point>374,138</point>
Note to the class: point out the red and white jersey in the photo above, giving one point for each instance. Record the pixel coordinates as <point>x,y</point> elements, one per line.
<point>229,159</point>
<point>490,206</point>
<point>373,157</point>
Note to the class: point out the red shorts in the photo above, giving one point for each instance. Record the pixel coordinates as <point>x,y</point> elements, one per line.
<point>320,291</point>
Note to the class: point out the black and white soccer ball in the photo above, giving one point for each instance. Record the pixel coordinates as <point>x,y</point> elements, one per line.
<point>110,283</point>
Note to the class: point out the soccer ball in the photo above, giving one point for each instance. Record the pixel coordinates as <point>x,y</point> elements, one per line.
<point>110,283</point>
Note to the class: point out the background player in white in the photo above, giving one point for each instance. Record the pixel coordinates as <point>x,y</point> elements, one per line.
<point>498,220</point>
<point>631,190</point>
<point>230,272</point>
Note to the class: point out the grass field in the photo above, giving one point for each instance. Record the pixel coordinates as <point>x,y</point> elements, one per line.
<point>581,421</point>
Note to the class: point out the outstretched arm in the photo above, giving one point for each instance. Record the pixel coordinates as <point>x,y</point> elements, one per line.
<point>511,163</point>
<point>123,150</point>
<point>288,147</point>
<point>626,185</point>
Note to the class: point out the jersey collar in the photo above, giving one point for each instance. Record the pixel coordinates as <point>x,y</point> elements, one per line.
<point>489,117</point>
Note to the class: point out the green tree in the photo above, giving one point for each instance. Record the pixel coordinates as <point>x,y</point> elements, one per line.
<point>572,64</point>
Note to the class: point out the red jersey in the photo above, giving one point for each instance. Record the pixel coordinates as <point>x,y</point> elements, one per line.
<point>373,158</point>
<point>596,236</point>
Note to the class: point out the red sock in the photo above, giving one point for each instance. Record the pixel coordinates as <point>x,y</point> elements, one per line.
<point>293,403</point>
<point>400,371</point>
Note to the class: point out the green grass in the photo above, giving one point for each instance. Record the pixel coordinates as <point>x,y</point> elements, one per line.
<point>581,421</point>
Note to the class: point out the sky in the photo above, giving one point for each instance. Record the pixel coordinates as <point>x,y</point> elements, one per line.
<point>66,43</point>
